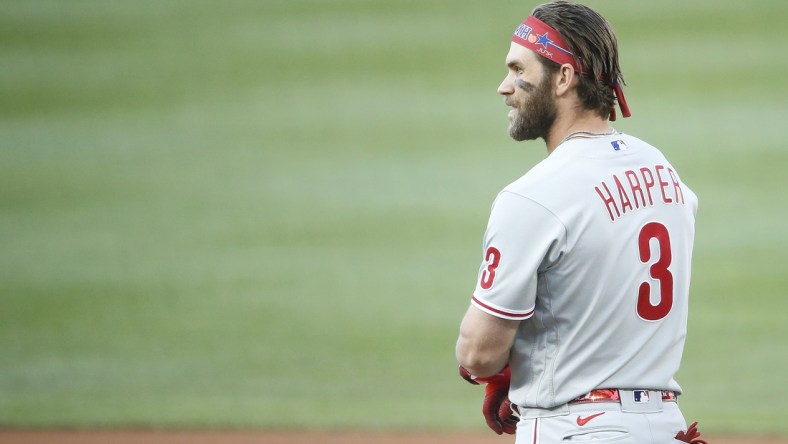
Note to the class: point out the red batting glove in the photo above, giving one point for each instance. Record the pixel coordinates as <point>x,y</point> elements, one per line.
<point>468,376</point>
<point>496,408</point>
<point>692,435</point>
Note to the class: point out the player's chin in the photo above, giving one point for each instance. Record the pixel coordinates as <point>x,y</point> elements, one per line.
<point>515,128</point>
<point>519,133</point>
<point>514,122</point>
<point>516,135</point>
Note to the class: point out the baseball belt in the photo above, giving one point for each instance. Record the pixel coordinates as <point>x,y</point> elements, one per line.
<point>613,395</point>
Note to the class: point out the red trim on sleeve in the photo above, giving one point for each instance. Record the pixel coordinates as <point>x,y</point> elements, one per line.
<point>503,313</point>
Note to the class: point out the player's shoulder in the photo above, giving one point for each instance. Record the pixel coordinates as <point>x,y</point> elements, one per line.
<point>540,175</point>
<point>533,186</point>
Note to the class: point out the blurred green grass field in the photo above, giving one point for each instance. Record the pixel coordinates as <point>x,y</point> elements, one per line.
<point>269,213</point>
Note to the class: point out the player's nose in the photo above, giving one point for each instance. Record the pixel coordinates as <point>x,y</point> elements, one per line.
<point>506,87</point>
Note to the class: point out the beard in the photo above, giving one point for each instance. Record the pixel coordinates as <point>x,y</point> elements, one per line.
<point>534,117</point>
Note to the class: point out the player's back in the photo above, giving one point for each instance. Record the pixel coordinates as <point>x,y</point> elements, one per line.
<point>612,290</point>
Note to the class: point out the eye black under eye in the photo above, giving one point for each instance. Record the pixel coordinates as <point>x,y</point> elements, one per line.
<point>525,86</point>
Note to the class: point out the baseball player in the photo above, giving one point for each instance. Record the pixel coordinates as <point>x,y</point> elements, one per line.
<point>579,316</point>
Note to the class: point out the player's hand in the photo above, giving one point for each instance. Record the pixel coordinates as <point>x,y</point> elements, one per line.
<point>692,435</point>
<point>496,408</point>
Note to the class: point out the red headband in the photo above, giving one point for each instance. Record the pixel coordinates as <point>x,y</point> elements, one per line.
<point>540,38</point>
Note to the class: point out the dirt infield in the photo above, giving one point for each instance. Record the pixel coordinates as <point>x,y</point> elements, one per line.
<point>265,437</point>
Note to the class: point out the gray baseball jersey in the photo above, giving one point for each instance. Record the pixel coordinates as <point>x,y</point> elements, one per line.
<point>591,249</point>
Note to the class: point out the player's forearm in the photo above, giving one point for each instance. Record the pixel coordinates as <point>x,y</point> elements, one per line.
<point>485,342</point>
<point>479,360</point>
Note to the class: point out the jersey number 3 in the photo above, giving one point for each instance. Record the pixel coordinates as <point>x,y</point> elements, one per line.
<point>658,271</point>
<point>492,258</point>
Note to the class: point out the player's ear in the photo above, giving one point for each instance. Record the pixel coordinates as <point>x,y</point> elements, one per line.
<point>564,79</point>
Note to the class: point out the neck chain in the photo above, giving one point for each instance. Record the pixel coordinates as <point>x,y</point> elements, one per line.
<point>586,134</point>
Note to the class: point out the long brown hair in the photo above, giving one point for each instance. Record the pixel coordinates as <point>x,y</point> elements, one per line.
<point>591,39</point>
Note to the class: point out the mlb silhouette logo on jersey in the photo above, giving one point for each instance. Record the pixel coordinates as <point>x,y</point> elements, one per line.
<point>619,145</point>
<point>641,396</point>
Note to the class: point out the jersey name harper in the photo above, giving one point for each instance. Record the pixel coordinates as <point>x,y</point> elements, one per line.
<point>635,189</point>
